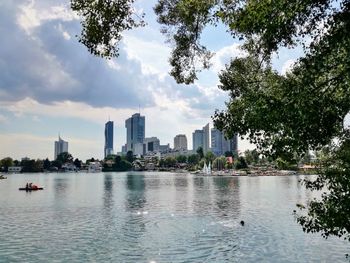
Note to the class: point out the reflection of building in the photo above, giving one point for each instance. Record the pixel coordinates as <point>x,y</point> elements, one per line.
<point>135,131</point>
<point>200,138</point>
<point>220,145</point>
<point>108,138</point>
<point>180,142</point>
<point>61,146</point>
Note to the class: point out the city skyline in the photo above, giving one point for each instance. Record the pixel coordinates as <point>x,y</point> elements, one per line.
<point>59,86</point>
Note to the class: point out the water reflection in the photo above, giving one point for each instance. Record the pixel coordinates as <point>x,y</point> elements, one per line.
<point>108,192</point>
<point>136,185</point>
<point>227,197</point>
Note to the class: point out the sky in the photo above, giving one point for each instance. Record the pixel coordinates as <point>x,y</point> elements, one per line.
<point>50,84</point>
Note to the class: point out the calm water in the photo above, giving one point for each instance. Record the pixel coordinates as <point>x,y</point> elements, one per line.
<point>157,217</point>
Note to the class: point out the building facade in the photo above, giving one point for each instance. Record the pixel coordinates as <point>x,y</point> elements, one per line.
<point>200,138</point>
<point>220,145</point>
<point>61,146</point>
<point>135,131</point>
<point>206,139</point>
<point>108,138</point>
<point>180,142</point>
<point>197,139</point>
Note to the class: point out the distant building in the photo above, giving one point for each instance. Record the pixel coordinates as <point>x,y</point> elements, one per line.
<point>151,145</point>
<point>164,148</point>
<point>197,139</point>
<point>135,131</point>
<point>180,142</point>
<point>206,138</point>
<point>200,138</point>
<point>108,138</point>
<point>220,145</point>
<point>61,146</point>
<point>124,151</point>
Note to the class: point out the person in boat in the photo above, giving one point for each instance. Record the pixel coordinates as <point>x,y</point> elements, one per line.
<point>27,186</point>
<point>34,187</point>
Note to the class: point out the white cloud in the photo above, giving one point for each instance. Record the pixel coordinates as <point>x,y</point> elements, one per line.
<point>225,54</point>
<point>287,66</point>
<point>31,16</point>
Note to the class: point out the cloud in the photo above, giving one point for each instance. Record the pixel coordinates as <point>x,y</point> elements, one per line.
<point>224,55</point>
<point>3,118</point>
<point>287,66</point>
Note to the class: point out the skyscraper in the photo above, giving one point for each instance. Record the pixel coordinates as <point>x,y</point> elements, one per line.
<point>108,138</point>
<point>197,139</point>
<point>135,130</point>
<point>220,145</point>
<point>201,139</point>
<point>61,146</point>
<point>180,142</point>
<point>206,146</point>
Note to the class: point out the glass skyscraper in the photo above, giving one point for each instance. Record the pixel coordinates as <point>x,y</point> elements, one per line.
<point>61,146</point>
<point>108,138</point>
<point>135,131</point>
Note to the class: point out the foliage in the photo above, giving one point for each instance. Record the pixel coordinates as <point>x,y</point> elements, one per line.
<point>46,164</point>
<point>6,163</point>
<point>65,157</point>
<point>32,166</point>
<point>181,158</point>
<point>193,159</point>
<point>228,154</point>
<point>130,156</point>
<point>77,163</point>
<point>330,214</point>
<point>252,157</point>
<point>240,163</point>
<point>103,22</point>
<point>200,152</point>
<point>209,157</point>
<point>219,163</point>
<point>167,162</point>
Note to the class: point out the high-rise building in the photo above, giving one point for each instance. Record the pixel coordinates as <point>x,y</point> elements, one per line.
<point>135,131</point>
<point>180,142</point>
<point>197,139</point>
<point>151,145</point>
<point>220,145</point>
<point>108,138</point>
<point>206,138</point>
<point>200,138</point>
<point>61,146</point>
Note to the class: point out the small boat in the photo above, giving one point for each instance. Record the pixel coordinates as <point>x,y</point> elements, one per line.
<point>30,189</point>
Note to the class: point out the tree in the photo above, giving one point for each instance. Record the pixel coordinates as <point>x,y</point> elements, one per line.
<point>46,164</point>
<point>252,157</point>
<point>6,163</point>
<point>240,163</point>
<point>200,152</point>
<point>130,156</point>
<point>193,159</point>
<point>219,163</point>
<point>181,158</point>
<point>77,163</point>
<point>209,157</point>
<point>65,157</point>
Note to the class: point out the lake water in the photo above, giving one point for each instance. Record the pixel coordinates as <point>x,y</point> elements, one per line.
<point>157,217</point>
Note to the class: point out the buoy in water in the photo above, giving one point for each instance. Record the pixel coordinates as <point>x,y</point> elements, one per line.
<point>242,223</point>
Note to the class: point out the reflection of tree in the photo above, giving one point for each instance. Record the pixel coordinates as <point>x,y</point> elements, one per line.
<point>136,194</point>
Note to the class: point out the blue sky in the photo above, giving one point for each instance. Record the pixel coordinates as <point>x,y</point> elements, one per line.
<point>50,84</point>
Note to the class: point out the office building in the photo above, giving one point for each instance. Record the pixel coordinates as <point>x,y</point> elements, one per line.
<point>220,145</point>
<point>151,145</point>
<point>135,131</point>
<point>206,139</point>
<point>108,150</point>
<point>61,146</point>
<point>197,139</point>
<point>200,138</point>
<point>180,142</point>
